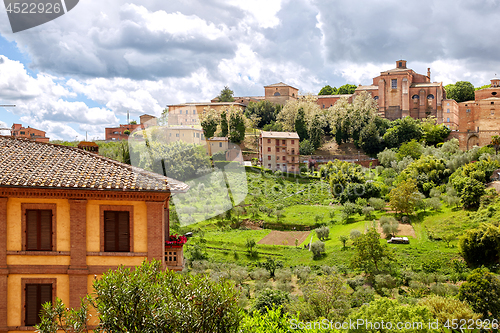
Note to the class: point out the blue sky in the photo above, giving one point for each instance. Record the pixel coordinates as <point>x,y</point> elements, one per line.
<point>83,71</point>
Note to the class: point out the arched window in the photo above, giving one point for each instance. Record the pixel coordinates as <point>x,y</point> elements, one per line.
<point>375,98</point>
<point>415,97</point>
<point>430,96</point>
<point>277,94</point>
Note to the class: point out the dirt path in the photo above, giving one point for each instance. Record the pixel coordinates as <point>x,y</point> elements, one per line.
<point>276,237</point>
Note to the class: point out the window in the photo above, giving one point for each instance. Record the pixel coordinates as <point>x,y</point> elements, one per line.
<point>415,96</point>
<point>293,151</point>
<point>269,166</point>
<point>194,111</point>
<point>197,135</point>
<point>277,142</point>
<point>375,98</point>
<point>283,150</point>
<point>277,94</point>
<point>323,106</point>
<point>468,110</point>
<point>268,157</point>
<point>38,230</point>
<point>268,140</point>
<point>293,142</point>
<point>447,110</point>
<point>492,103</point>
<point>180,111</point>
<point>268,148</point>
<point>116,231</point>
<point>38,227</point>
<point>293,159</point>
<point>35,292</point>
<point>448,104</point>
<point>400,64</point>
<point>447,120</point>
<point>430,96</point>
<point>277,158</point>
<point>283,142</point>
<point>394,83</point>
<point>177,135</point>
<point>220,144</point>
<point>22,132</point>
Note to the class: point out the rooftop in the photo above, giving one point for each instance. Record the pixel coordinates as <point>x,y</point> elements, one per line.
<point>25,163</point>
<point>280,135</point>
<point>280,84</point>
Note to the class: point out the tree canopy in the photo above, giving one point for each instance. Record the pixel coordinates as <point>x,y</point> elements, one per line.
<point>461,91</point>
<point>327,90</point>
<point>226,95</point>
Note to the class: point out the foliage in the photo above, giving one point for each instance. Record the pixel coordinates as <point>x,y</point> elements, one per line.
<point>315,131</point>
<point>149,299</point>
<point>264,111</point>
<point>56,317</point>
<point>371,256</point>
<point>226,95</point>
<point>224,125</point>
<point>377,203</point>
<point>318,249</point>
<point>389,225</point>
<point>327,90</point>
<point>434,133</point>
<point>495,141</point>
<point>481,246</point>
<point>184,160</point>
<point>270,299</point>
<point>343,239</point>
<point>274,320</point>
<point>236,126</point>
<point>445,308</point>
<point>328,296</point>
<point>411,148</point>
<point>288,114</point>
<point>389,310</point>
<point>370,140</point>
<point>306,147</point>
<point>346,89</point>
<point>482,292</point>
<point>348,119</point>
<point>209,123</point>
<point>404,197</point>
<point>271,265</point>
<point>461,91</point>
<point>386,157</point>
<point>250,244</point>
<point>403,130</point>
<point>472,190</point>
<point>301,125</point>
<point>322,232</point>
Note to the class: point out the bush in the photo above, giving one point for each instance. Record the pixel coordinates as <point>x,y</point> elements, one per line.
<point>367,212</point>
<point>482,292</point>
<point>481,246</point>
<point>354,234</point>
<point>377,203</point>
<point>389,225</point>
<point>445,308</point>
<point>270,299</point>
<point>434,203</point>
<point>318,249</point>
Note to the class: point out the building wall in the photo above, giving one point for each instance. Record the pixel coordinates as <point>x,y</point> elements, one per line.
<point>287,160</point>
<point>78,252</point>
<point>19,131</point>
<point>188,135</point>
<point>189,113</point>
<point>280,94</point>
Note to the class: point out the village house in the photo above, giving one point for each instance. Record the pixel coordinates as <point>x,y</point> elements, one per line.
<point>66,215</point>
<point>122,132</point>
<point>19,131</point>
<point>279,151</point>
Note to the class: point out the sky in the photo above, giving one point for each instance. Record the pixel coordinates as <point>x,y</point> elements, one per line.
<point>83,71</point>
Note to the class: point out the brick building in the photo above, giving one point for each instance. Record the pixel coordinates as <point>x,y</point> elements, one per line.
<point>66,215</point>
<point>402,92</point>
<point>279,151</point>
<point>189,113</point>
<point>479,119</point>
<point>118,133</point>
<point>19,131</point>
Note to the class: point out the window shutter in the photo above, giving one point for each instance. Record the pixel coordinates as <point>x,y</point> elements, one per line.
<point>124,232</point>
<point>109,231</point>
<point>46,230</point>
<point>31,230</point>
<point>45,294</point>
<point>31,305</point>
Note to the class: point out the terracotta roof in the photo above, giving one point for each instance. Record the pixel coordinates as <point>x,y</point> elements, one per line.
<point>334,96</point>
<point>25,163</point>
<point>280,135</point>
<point>280,84</point>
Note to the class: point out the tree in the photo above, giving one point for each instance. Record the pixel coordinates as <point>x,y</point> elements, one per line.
<point>149,299</point>
<point>224,126</point>
<point>433,133</point>
<point>495,141</point>
<point>371,256</point>
<point>209,123</point>
<point>236,126</point>
<point>271,265</point>
<point>55,317</point>
<point>369,139</point>
<point>317,248</point>
<point>126,132</point>
<point>411,148</point>
<point>270,299</point>
<point>346,89</point>
<point>481,246</point>
<point>471,192</point>
<point>389,225</point>
<point>403,130</point>
<point>288,114</point>
<point>461,91</point>
<point>328,296</point>
<point>404,197</point>
<point>163,120</point>
<point>322,233</point>
<point>327,90</point>
<point>315,131</point>
<point>226,95</point>
<point>482,292</point>
<point>306,148</point>
<point>265,111</point>
<point>301,125</point>
<point>250,244</point>
<point>343,239</point>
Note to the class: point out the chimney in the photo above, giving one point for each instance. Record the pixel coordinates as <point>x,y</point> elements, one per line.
<point>429,73</point>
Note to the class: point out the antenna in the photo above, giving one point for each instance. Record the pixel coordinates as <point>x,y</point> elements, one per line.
<point>128,118</point>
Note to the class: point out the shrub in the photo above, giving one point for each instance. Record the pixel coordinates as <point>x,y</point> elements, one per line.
<point>434,203</point>
<point>481,246</point>
<point>482,292</point>
<point>270,299</point>
<point>354,234</point>
<point>318,249</point>
<point>377,203</point>
<point>389,225</point>
<point>445,308</point>
<point>362,295</point>
<point>367,212</point>
<point>259,274</point>
<point>302,273</point>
